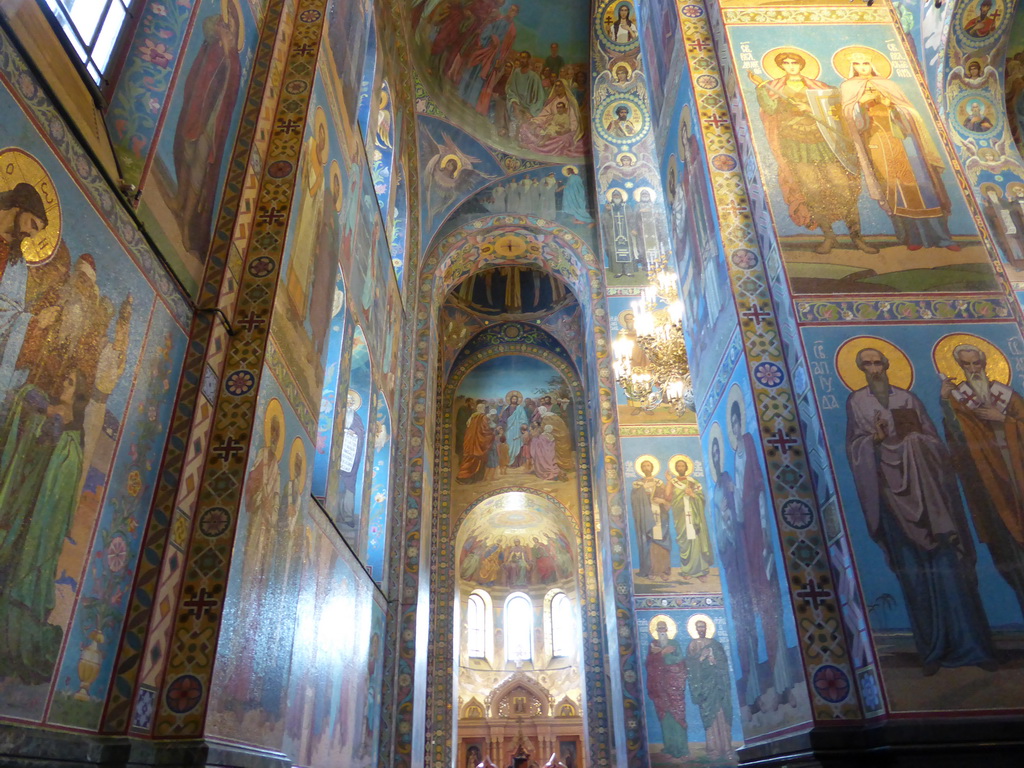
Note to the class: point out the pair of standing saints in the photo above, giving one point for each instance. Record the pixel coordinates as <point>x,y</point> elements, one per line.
<point>830,142</point>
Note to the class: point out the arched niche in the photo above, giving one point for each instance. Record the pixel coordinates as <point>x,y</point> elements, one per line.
<point>514,520</point>
<point>446,262</point>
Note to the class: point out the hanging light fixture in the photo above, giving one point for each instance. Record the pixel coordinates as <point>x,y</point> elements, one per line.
<point>659,372</point>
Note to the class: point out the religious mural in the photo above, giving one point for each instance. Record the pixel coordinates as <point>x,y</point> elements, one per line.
<point>691,699</point>
<point>91,343</point>
<point>699,264</point>
<point>671,544</point>
<point>921,401</point>
<point>513,75</point>
<point>515,547</point>
<point>284,601</point>
<point>770,675</point>
<point>174,116</point>
<point>864,197</point>
<point>514,425</point>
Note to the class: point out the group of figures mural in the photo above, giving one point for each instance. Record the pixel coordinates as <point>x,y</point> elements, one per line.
<point>700,668</point>
<point>295,572</point>
<point>928,522</point>
<point>505,560</point>
<point>514,435</point>
<point>89,356</point>
<point>520,89</point>
<point>863,155</point>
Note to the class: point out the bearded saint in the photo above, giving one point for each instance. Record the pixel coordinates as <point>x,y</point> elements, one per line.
<point>984,424</point>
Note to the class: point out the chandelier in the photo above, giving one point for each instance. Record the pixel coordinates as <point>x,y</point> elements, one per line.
<point>653,368</point>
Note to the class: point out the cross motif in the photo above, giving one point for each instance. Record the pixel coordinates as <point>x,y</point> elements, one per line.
<point>781,441</point>
<point>251,322</point>
<point>717,121</point>
<point>813,593</point>
<point>756,315</point>
<point>700,44</point>
<point>228,449</point>
<point>733,207</point>
<point>289,125</point>
<point>199,604</point>
<point>271,215</point>
<point>303,50</point>
<point>970,397</point>
<point>997,398</point>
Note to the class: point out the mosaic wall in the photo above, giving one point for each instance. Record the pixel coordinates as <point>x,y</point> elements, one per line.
<point>176,153</point>
<point>880,571</point>
<point>92,339</point>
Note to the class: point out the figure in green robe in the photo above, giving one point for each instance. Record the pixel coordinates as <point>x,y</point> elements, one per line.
<point>686,498</point>
<point>710,685</point>
<point>40,468</point>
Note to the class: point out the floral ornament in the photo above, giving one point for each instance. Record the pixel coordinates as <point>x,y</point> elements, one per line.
<point>134,484</point>
<point>117,554</point>
<point>831,683</point>
<point>769,374</point>
<point>156,53</point>
<point>184,693</point>
<point>240,383</point>
<point>870,691</point>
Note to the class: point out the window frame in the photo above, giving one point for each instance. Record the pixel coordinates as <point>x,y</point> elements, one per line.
<point>515,597</point>
<point>108,74</point>
<point>561,625</point>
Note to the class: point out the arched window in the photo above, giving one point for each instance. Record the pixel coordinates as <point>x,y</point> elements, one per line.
<point>562,626</point>
<point>518,627</point>
<point>476,627</point>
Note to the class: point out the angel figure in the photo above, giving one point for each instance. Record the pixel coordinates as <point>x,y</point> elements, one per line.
<point>619,80</point>
<point>451,174</point>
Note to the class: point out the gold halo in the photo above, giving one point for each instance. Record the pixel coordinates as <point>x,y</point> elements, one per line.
<point>358,398</point>
<point>841,64</point>
<point>984,188</point>
<point>638,190</point>
<point>996,365</point>
<point>735,396</point>
<point>812,67</point>
<point>298,449</point>
<point>616,65</point>
<point>669,621</point>
<point>621,155</point>
<point>715,433</point>
<point>320,118</point>
<point>624,193</point>
<point>565,170</point>
<point>274,411</point>
<point>516,392</point>
<point>451,156</point>
<point>336,174</point>
<point>240,42</point>
<point>622,322</point>
<point>17,166</point>
<point>683,458</point>
<point>1013,186</point>
<point>691,625</point>
<point>647,457</point>
<point>901,371</point>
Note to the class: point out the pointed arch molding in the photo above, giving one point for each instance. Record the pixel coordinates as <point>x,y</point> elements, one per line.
<point>444,587</point>
<point>509,684</point>
<point>420,726</point>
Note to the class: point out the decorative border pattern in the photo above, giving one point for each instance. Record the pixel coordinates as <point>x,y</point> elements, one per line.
<point>894,309</point>
<point>775,399</point>
<point>197,622</point>
<point>142,656</point>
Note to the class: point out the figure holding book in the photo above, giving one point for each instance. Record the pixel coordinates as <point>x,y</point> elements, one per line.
<point>901,470</point>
